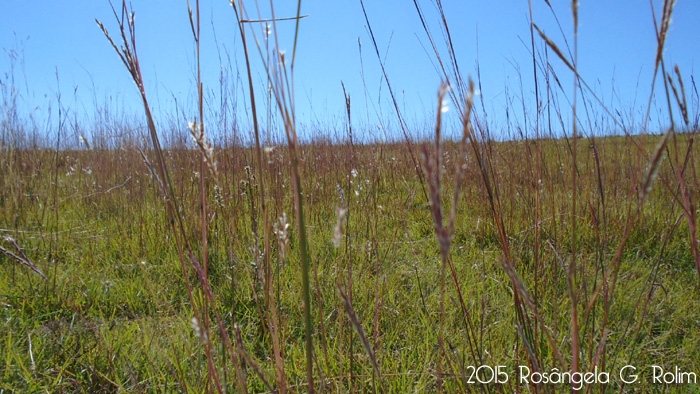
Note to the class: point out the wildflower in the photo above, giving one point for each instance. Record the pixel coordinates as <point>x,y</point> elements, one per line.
<point>108,284</point>
<point>341,213</point>
<point>218,197</point>
<point>201,334</point>
<point>443,93</point>
<point>85,141</point>
<point>197,132</point>
<point>341,193</point>
<point>281,230</point>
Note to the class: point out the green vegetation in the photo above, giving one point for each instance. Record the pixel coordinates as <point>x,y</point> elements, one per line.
<point>114,312</point>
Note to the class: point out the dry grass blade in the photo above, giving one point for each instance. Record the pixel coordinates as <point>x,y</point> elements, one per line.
<point>205,146</point>
<point>350,312</point>
<point>238,337</point>
<point>518,284</point>
<point>663,30</point>
<point>152,170</point>
<point>601,346</point>
<point>555,48</point>
<point>654,166</point>
<point>523,296</point>
<point>680,97</point>
<point>402,123</point>
<point>291,18</point>
<point>677,70</point>
<point>278,77</point>
<point>432,163</point>
<point>116,49</point>
<point>461,164</point>
<point>21,258</point>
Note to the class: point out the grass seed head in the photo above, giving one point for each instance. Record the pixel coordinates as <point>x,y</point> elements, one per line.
<point>341,213</point>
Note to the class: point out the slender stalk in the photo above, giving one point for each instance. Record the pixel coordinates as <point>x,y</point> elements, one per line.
<point>574,191</point>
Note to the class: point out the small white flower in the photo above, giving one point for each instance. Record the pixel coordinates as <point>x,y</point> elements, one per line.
<point>194,128</point>
<point>341,213</point>
<point>195,326</point>
<point>201,334</point>
<point>218,197</point>
<point>444,89</point>
<point>281,230</point>
<point>353,173</point>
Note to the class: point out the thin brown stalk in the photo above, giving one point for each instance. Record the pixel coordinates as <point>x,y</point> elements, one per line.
<point>571,275</point>
<point>240,349</point>
<point>538,163</point>
<point>272,318</point>
<point>20,257</point>
<point>206,156</point>
<point>283,92</point>
<point>402,123</point>
<point>355,322</point>
<point>128,55</point>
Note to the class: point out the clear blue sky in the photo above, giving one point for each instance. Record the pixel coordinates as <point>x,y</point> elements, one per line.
<point>616,48</point>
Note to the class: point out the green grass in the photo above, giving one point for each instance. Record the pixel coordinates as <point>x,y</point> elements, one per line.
<point>114,314</point>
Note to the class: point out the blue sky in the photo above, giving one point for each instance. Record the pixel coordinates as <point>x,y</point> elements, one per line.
<point>616,50</point>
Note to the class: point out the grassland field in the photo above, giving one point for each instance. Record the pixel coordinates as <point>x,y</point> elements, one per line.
<point>114,314</point>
